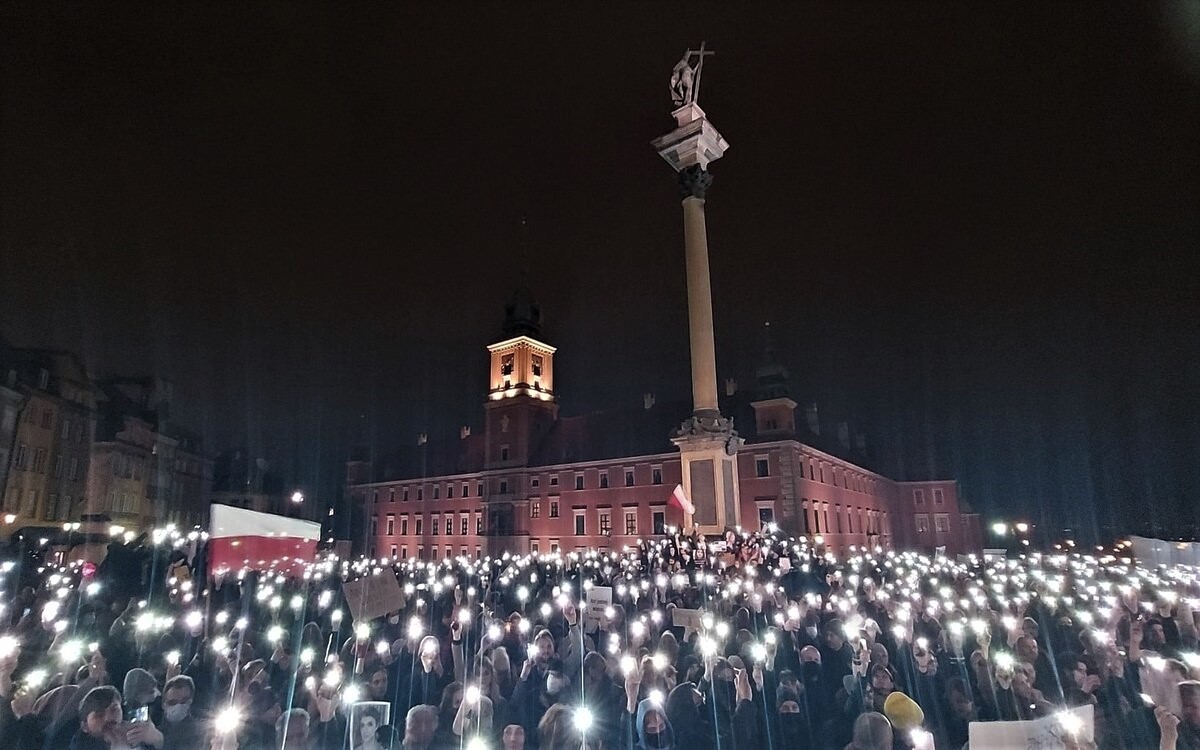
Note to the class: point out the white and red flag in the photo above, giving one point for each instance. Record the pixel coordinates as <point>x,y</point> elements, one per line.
<point>240,538</point>
<point>680,500</point>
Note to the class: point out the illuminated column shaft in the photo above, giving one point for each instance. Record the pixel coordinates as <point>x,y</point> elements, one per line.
<point>700,314</point>
<point>707,442</point>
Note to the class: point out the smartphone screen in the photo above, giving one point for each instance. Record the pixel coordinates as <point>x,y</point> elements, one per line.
<point>141,714</point>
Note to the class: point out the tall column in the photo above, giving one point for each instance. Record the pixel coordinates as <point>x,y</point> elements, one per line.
<point>707,442</point>
<point>695,181</point>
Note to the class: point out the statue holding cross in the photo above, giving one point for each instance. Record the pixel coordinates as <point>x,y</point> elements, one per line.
<point>685,79</point>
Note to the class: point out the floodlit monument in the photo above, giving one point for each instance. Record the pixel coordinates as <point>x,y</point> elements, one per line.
<point>708,443</point>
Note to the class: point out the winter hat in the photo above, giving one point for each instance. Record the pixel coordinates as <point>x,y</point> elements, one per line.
<point>140,687</point>
<point>903,712</point>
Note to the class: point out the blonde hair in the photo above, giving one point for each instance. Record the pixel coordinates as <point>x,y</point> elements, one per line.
<point>557,729</point>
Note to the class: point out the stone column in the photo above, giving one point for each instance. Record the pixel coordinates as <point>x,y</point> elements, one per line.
<point>694,182</point>
<point>707,442</point>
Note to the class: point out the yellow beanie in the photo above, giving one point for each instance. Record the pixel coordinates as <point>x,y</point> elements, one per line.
<point>903,712</point>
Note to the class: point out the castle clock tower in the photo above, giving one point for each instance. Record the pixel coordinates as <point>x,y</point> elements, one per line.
<point>519,413</point>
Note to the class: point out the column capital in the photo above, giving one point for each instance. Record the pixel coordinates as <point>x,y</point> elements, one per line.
<point>694,181</point>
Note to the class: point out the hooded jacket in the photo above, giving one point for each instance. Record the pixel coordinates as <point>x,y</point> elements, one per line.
<point>664,740</point>
<point>692,725</point>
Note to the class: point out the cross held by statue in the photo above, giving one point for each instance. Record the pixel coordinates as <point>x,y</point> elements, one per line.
<point>685,78</point>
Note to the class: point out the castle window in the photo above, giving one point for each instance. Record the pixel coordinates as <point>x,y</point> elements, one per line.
<point>762,467</point>
<point>658,520</point>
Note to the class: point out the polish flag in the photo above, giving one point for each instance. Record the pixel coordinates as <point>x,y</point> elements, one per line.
<point>240,538</point>
<point>680,500</point>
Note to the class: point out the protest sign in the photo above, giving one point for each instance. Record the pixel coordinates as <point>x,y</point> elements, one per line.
<point>688,619</point>
<point>599,598</point>
<point>1043,734</point>
<point>1160,681</point>
<point>373,596</point>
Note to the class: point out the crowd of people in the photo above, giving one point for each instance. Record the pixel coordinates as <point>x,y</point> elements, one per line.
<point>752,641</point>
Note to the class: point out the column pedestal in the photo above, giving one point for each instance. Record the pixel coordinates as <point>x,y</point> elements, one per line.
<point>708,453</point>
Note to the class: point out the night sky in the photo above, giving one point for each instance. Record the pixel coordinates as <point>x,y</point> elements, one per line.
<point>975,232</point>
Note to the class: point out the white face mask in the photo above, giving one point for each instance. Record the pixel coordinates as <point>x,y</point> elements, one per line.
<point>554,685</point>
<point>177,713</point>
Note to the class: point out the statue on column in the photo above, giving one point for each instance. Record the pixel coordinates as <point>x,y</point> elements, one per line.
<point>685,79</point>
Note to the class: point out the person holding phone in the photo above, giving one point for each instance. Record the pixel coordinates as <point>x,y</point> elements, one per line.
<point>99,719</point>
<point>141,690</point>
<point>1182,731</point>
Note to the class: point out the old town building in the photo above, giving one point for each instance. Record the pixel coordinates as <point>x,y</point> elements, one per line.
<point>49,411</point>
<point>145,469</point>
<point>533,480</point>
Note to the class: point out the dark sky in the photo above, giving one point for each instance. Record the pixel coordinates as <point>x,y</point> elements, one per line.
<point>975,231</point>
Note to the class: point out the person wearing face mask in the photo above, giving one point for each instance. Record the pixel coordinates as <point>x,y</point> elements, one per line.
<point>654,730</point>
<point>541,683</point>
<point>810,677</point>
<point>728,687</point>
<point>687,716</point>
<point>181,730</point>
<point>791,726</point>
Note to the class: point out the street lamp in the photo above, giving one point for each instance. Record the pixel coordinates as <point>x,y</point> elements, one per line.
<point>1000,528</point>
<point>297,497</point>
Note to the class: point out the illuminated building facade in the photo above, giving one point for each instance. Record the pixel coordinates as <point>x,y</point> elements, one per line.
<point>537,481</point>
